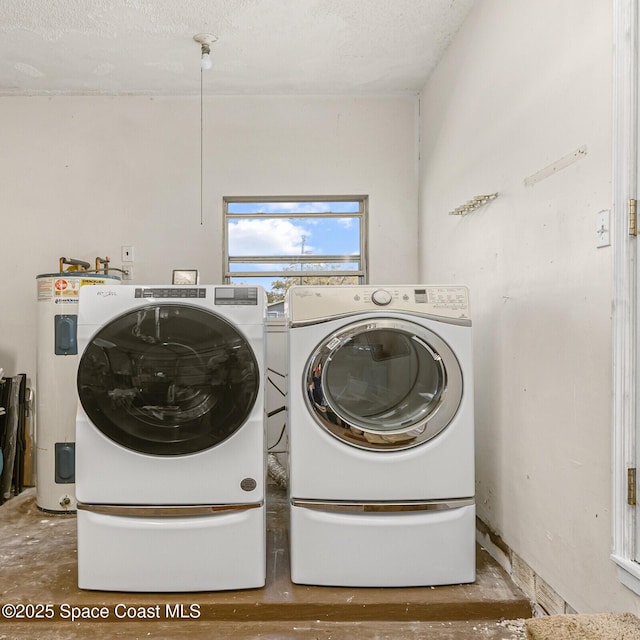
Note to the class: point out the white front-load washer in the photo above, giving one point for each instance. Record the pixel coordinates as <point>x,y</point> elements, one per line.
<point>170,462</point>
<point>381,427</point>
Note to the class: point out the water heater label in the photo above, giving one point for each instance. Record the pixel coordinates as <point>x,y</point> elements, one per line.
<point>45,288</point>
<point>64,289</point>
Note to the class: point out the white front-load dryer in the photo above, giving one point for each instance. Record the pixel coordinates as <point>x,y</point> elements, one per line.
<point>170,462</point>
<point>381,427</point>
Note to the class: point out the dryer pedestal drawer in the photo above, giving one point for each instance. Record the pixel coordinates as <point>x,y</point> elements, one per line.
<point>225,550</point>
<point>382,549</point>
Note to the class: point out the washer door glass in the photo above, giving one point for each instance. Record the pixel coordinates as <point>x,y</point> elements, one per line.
<point>168,379</point>
<point>383,384</point>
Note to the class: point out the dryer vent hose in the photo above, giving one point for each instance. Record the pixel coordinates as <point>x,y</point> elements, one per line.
<point>276,471</point>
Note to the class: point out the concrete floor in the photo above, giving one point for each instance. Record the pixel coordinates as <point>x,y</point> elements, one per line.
<point>39,571</point>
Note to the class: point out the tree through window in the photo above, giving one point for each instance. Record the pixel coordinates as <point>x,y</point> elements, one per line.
<point>280,241</point>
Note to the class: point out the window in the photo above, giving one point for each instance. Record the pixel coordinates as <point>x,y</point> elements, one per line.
<point>280,241</point>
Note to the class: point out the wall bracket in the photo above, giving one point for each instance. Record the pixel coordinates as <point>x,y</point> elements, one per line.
<point>473,204</point>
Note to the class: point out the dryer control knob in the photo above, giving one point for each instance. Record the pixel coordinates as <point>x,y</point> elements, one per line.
<point>381,297</point>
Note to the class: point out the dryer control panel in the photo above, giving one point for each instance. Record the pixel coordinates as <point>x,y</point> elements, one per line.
<point>449,302</point>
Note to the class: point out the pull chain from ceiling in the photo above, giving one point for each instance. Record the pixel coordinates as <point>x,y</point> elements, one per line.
<point>201,151</point>
<point>204,40</point>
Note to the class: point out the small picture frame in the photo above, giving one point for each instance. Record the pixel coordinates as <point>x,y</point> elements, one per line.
<point>185,276</point>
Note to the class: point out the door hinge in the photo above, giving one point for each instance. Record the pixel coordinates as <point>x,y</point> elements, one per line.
<point>631,487</point>
<point>633,218</point>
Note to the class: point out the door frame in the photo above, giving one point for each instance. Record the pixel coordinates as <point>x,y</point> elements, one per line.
<point>625,293</point>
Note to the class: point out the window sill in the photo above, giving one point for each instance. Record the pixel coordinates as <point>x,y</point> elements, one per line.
<point>628,573</point>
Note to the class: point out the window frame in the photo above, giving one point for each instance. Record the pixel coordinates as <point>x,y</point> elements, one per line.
<point>361,215</point>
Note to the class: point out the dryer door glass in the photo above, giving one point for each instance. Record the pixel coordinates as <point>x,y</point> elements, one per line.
<point>384,384</point>
<point>168,379</point>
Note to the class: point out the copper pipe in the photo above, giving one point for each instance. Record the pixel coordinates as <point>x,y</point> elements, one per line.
<point>76,263</point>
<point>102,261</point>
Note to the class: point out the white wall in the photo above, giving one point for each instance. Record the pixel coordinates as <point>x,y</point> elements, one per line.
<point>524,84</point>
<point>82,176</point>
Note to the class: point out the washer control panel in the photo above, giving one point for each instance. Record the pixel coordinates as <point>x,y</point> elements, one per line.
<point>170,292</point>
<point>236,295</point>
<point>242,296</point>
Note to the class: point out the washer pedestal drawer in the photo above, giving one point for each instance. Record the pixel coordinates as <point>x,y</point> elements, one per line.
<point>382,548</point>
<point>224,550</point>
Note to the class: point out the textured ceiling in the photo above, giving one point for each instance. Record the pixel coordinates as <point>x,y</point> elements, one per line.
<point>113,47</point>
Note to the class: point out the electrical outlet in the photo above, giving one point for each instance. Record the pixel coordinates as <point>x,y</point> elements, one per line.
<point>127,270</point>
<point>127,253</point>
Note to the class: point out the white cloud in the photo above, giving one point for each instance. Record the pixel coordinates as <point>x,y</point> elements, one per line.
<point>297,207</point>
<point>267,237</point>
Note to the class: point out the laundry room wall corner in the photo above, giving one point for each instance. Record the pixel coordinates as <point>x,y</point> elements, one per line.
<point>538,133</point>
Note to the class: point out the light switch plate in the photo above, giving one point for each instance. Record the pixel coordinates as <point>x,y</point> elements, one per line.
<point>603,228</point>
